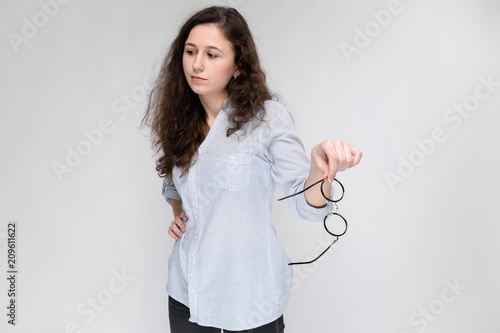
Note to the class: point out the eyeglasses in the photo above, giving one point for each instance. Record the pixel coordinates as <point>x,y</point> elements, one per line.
<point>333,208</point>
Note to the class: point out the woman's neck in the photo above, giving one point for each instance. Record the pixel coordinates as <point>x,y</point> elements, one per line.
<point>212,106</point>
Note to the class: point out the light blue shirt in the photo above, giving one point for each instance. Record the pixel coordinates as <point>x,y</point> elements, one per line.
<point>228,267</point>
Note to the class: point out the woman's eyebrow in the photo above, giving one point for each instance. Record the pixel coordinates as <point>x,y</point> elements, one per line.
<point>208,47</point>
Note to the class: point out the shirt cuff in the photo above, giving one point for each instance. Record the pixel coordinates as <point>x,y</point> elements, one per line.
<point>169,191</point>
<point>308,212</point>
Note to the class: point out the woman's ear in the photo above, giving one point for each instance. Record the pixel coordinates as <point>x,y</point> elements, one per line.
<point>236,73</point>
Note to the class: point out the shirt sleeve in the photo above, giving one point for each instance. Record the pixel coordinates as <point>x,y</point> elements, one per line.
<point>169,191</point>
<point>290,164</point>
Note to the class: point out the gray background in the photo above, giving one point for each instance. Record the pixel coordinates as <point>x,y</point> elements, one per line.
<point>405,244</point>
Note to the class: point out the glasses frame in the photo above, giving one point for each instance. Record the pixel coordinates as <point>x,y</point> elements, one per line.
<point>332,203</point>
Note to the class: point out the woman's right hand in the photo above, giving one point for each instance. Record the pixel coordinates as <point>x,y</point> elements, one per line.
<point>177,228</point>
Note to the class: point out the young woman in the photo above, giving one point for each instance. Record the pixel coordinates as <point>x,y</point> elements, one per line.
<point>224,145</point>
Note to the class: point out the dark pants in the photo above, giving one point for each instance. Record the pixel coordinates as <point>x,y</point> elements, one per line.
<point>178,314</point>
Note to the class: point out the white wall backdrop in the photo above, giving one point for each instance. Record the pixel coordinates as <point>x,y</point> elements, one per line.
<point>415,85</point>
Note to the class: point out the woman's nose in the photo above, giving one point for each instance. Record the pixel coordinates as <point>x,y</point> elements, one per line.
<point>198,63</point>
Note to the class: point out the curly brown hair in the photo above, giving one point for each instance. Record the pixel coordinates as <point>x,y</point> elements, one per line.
<point>175,114</point>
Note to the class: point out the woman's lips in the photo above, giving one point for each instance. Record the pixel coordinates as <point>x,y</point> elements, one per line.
<point>197,78</point>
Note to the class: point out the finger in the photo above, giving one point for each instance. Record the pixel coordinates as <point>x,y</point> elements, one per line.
<point>180,224</point>
<point>340,148</point>
<point>175,229</point>
<point>333,163</point>
<point>183,216</point>
<point>348,155</point>
<point>319,159</point>
<point>357,156</point>
<point>172,234</point>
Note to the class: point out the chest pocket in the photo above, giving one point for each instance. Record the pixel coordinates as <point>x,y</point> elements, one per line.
<point>232,171</point>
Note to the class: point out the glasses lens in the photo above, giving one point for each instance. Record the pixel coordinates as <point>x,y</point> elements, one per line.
<point>336,191</point>
<point>335,224</point>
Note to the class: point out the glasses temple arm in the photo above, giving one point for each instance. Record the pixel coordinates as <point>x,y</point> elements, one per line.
<point>291,195</point>
<point>310,262</point>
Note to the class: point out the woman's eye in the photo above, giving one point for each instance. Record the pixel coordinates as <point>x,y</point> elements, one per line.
<point>211,55</point>
<point>190,52</point>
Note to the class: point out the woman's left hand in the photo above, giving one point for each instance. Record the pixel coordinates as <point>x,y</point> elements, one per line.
<point>331,156</point>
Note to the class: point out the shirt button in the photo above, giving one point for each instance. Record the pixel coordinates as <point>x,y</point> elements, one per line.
<point>231,157</point>
<point>192,195</point>
<point>191,254</point>
<point>191,274</point>
<point>195,237</point>
<point>196,217</point>
<point>192,291</point>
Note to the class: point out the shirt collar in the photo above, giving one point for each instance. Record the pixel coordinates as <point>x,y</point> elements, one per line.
<point>227,106</point>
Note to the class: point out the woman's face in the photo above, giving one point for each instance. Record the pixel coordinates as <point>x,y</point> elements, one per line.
<point>208,61</point>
